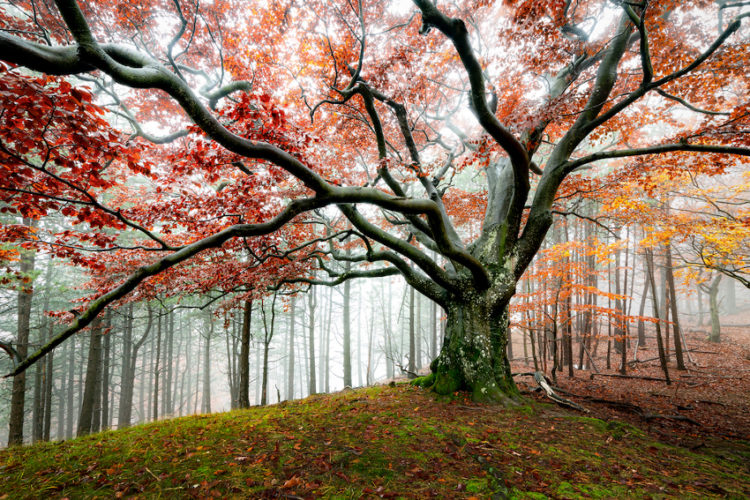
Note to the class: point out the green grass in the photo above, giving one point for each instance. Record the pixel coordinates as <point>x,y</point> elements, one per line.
<point>378,442</point>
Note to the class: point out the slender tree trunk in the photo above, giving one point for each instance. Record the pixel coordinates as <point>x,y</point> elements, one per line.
<point>412,367</point>
<point>418,332</point>
<point>388,340</point>
<point>370,331</point>
<point>326,361</point>
<point>641,312</point>
<point>433,330</point>
<point>126,378</point>
<point>71,388</point>
<point>62,395</point>
<point>43,372</point>
<point>325,346</point>
<point>659,342</point>
<point>233,398</point>
<point>179,379</point>
<point>197,391</point>
<point>91,388</point>
<point>24,299</point>
<point>188,352</point>
<point>244,389</point>
<point>311,307</point>
<point>675,312</point>
<point>127,388</point>
<point>48,386</point>
<point>290,353</point>
<point>157,369</point>
<point>168,351</point>
<point>37,405</point>
<point>268,331</point>
<point>206,401</point>
<point>713,294</point>
<point>107,348</point>
<point>347,329</point>
<point>360,381</point>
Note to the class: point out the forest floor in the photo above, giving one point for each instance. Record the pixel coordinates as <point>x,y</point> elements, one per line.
<point>380,442</point>
<point>706,404</point>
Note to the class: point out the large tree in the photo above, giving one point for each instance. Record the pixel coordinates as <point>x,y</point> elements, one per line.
<point>393,118</point>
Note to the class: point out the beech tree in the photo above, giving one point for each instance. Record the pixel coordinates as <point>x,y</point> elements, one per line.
<point>282,109</point>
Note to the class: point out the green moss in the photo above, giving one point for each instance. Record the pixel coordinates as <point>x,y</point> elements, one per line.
<point>527,495</point>
<point>615,428</point>
<point>425,382</point>
<point>476,485</point>
<point>390,442</point>
<point>447,382</point>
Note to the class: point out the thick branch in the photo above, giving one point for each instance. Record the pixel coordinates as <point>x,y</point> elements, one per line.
<point>137,277</point>
<point>662,148</point>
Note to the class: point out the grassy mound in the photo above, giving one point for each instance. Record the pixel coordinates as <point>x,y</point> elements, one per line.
<point>377,442</point>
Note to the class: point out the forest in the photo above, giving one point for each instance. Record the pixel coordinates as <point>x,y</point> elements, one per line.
<point>488,240</point>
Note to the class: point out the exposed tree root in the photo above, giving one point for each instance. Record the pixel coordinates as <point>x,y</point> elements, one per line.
<point>547,388</point>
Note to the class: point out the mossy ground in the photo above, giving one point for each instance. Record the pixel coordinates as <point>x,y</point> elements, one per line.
<point>379,442</point>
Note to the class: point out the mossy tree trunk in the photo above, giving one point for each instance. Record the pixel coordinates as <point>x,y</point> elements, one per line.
<point>473,357</point>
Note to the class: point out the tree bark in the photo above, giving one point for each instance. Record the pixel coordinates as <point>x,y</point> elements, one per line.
<point>412,336</point>
<point>654,299</point>
<point>127,389</point>
<point>311,345</point>
<point>107,350</point>
<point>244,389</point>
<point>206,400</point>
<point>473,357</point>
<point>24,299</point>
<point>675,312</point>
<point>157,369</point>
<point>91,386</point>
<point>713,294</point>
<point>347,329</point>
<point>290,352</point>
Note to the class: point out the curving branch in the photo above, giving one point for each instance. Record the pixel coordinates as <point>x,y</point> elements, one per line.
<point>653,85</point>
<point>573,165</point>
<point>690,106</point>
<point>142,273</point>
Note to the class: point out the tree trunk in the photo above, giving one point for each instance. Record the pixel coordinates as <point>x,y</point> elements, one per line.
<point>18,394</point>
<point>641,311</point>
<point>418,333</point>
<point>48,385</point>
<point>157,370</point>
<point>347,329</point>
<point>290,353</point>
<point>473,356</point>
<point>233,398</point>
<point>654,299</point>
<point>62,395</point>
<point>675,312</point>
<point>311,345</point>
<point>433,330</point>
<point>267,337</point>
<point>325,347</point>
<point>244,389</point>
<point>713,293</point>
<point>168,353</point>
<point>206,400</point>
<point>107,348</point>
<point>127,384</point>
<point>71,389</point>
<point>91,387</point>
<point>412,367</point>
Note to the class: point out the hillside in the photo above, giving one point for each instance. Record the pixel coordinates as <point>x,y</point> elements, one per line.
<point>380,442</point>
